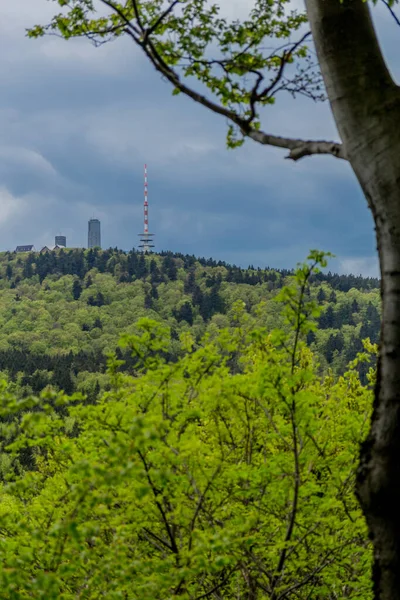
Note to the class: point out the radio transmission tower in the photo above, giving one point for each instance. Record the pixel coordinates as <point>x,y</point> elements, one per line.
<point>146,237</point>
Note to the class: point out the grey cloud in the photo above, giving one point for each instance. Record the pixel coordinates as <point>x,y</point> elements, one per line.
<point>78,123</point>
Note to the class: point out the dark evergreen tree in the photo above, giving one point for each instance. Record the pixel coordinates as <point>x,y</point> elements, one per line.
<point>97,323</point>
<point>190,283</point>
<point>197,296</point>
<point>97,300</point>
<point>148,300</point>
<point>100,299</point>
<point>132,263</point>
<point>327,318</point>
<point>212,303</point>
<point>344,316</point>
<point>374,322</point>
<point>185,313</point>
<point>169,268</point>
<point>91,259</point>
<point>76,289</point>
<point>311,337</point>
<point>365,331</point>
<point>62,378</point>
<point>332,297</point>
<point>142,270</point>
<point>155,273</point>
<point>321,296</point>
<point>330,348</point>
<point>27,271</point>
<point>210,281</point>
<point>101,259</point>
<point>335,344</point>
<point>78,266</point>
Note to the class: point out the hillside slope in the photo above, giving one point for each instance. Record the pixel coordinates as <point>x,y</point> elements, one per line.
<point>60,314</point>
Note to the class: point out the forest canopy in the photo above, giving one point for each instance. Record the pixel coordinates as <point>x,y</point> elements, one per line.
<point>62,313</point>
<point>226,471</point>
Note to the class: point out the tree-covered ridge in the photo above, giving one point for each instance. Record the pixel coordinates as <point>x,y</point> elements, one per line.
<point>61,313</point>
<point>190,481</point>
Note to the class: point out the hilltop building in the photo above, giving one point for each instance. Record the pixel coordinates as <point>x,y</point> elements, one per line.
<point>94,237</point>
<point>29,248</point>
<point>52,248</point>
<point>60,240</point>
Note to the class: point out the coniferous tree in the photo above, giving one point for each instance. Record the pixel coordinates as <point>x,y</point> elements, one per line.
<point>155,273</point>
<point>190,283</point>
<point>91,259</point>
<point>97,323</point>
<point>344,316</point>
<point>185,313</point>
<point>154,292</point>
<point>327,318</point>
<point>310,338</point>
<point>321,296</point>
<point>27,271</point>
<point>197,296</point>
<point>132,263</point>
<point>76,289</point>
<point>169,268</point>
<point>97,300</point>
<point>148,300</point>
<point>142,270</point>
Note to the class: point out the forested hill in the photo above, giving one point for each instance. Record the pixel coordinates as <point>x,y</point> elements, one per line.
<point>61,313</point>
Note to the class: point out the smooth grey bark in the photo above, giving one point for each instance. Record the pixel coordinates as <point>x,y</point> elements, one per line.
<point>365,102</point>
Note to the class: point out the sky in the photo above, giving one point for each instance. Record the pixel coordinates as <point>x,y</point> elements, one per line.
<point>77,124</point>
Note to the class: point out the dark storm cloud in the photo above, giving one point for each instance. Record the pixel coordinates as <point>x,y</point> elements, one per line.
<point>78,123</point>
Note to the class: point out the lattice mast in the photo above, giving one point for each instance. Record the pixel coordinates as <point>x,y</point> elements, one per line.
<point>146,237</point>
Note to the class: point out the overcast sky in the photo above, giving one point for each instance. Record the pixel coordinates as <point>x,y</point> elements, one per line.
<point>77,124</point>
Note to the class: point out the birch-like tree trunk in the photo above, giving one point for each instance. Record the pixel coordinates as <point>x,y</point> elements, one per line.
<point>366,106</point>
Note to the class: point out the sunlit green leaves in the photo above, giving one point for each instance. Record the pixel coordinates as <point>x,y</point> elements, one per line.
<point>185,478</point>
<point>244,64</point>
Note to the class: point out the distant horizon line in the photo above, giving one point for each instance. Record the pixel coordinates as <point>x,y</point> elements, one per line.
<point>178,254</point>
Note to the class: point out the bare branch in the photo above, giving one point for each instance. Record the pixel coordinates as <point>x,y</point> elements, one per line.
<point>156,494</point>
<point>293,513</point>
<point>217,586</point>
<point>298,148</point>
<point>284,61</point>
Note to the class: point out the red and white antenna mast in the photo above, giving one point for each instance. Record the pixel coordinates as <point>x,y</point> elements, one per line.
<point>146,237</point>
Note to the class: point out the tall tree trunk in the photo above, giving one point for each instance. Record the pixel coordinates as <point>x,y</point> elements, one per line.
<point>366,106</point>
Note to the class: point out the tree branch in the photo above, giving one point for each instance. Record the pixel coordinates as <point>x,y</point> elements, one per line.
<point>293,513</point>
<point>390,9</point>
<point>297,148</point>
<point>284,61</point>
<point>156,494</point>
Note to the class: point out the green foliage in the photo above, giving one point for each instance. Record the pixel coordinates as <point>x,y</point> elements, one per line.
<point>190,480</point>
<point>243,64</point>
<point>61,314</point>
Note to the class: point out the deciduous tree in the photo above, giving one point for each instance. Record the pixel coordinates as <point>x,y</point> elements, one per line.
<point>243,78</point>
